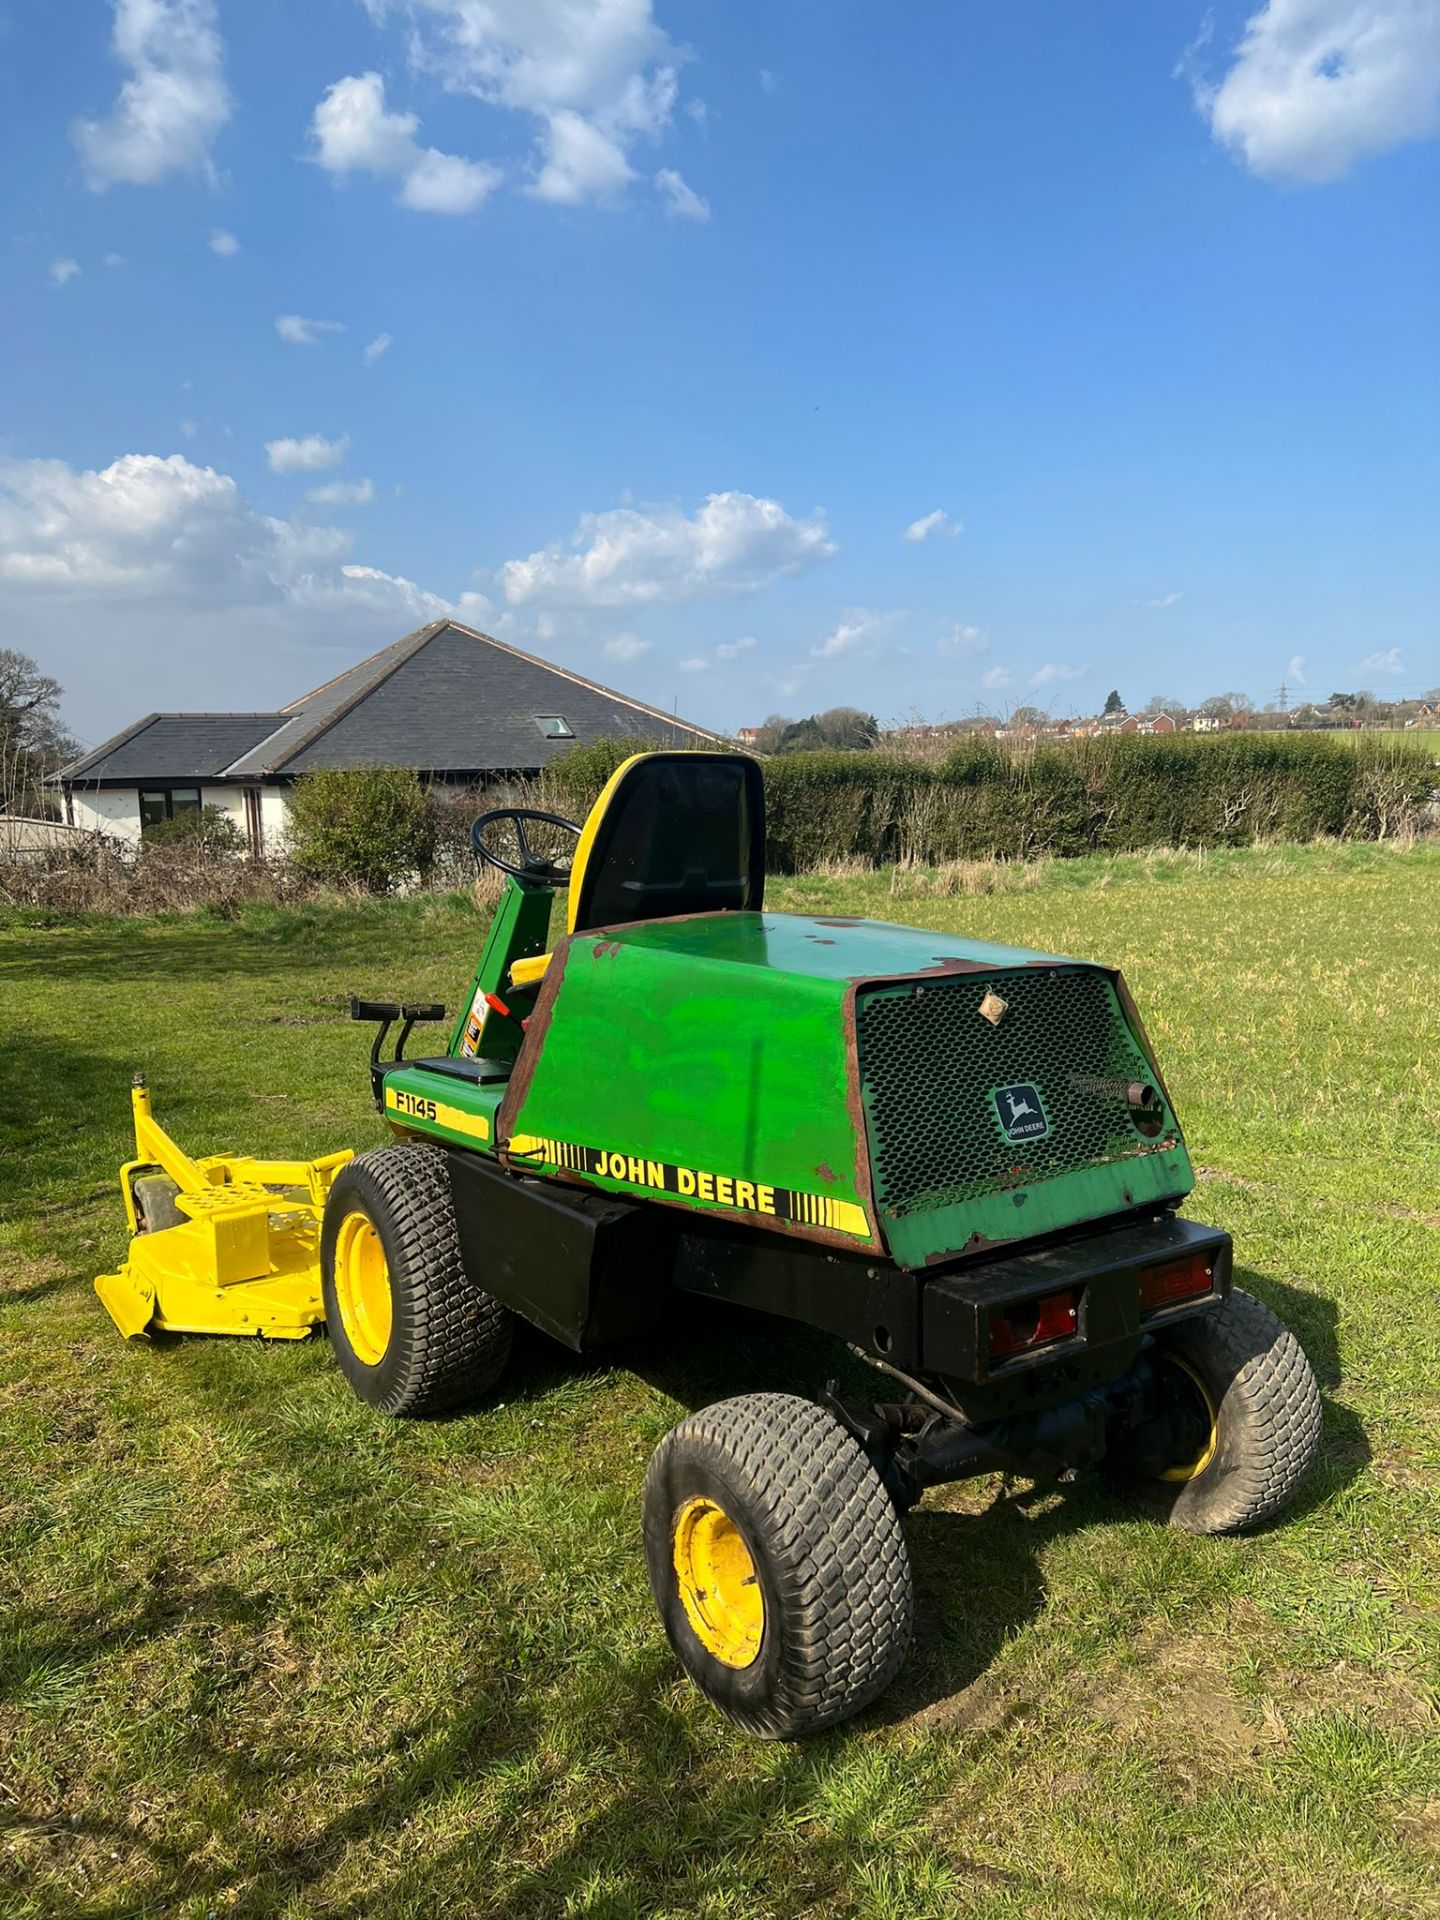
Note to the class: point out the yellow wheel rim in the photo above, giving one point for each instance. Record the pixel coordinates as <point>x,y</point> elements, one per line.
<point>362,1288</point>
<point>719,1587</point>
<point>1189,1469</point>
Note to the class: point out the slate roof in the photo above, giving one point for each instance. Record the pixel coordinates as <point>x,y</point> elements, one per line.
<point>174,746</point>
<point>446,699</point>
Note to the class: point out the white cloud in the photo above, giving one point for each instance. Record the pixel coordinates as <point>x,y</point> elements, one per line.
<point>937,522</point>
<point>301,332</point>
<point>962,640</point>
<point>1296,669</point>
<point>597,76</point>
<point>378,347</point>
<point>768,81</point>
<point>734,543</point>
<point>63,269</point>
<point>154,583</point>
<point>446,183</point>
<point>1055,671</point>
<point>169,111</point>
<point>141,523</point>
<point>342,493</point>
<point>1164,600</point>
<point>372,587</point>
<point>114,260</point>
<point>312,454</point>
<point>625,647</point>
<point>732,649</point>
<point>695,665</point>
<point>996,677</point>
<point>190,429</point>
<point>354,132</point>
<point>224,243</point>
<point>1317,85</point>
<point>681,201</point>
<point>1389,661</point>
<point>858,631</point>
<point>581,162</point>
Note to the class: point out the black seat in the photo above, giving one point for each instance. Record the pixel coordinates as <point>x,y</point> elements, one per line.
<point>674,833</point>
<point>479,1072</point>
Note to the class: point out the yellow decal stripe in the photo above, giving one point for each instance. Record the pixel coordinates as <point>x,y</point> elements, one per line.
<point>690,1183</point>
<point>436,1113</point>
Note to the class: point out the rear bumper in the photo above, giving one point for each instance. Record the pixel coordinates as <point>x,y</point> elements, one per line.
<point>1103,1269</point>
<point>938,1323</point>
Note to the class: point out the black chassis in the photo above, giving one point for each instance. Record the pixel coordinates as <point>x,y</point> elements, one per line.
<point>589,1268</point>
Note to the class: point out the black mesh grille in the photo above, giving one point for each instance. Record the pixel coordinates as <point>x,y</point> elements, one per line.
<point>931,1066</point>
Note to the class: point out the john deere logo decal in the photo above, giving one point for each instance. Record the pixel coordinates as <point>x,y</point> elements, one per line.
<point>1021,1115</point>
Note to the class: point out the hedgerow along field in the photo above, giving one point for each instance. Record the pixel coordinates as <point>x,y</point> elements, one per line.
<point>262,1654</point>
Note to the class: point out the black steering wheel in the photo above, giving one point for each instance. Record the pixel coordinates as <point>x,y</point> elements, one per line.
<point>511,838</point>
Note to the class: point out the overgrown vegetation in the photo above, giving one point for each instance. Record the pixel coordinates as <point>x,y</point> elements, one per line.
<point>366,827</point>
<point>377,830</point>
<point>264,1655</point>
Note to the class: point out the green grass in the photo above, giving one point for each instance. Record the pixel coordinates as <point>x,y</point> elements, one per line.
<point>264,1654</point>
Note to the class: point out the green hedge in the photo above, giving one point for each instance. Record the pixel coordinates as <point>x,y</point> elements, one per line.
<point>1119,794</point>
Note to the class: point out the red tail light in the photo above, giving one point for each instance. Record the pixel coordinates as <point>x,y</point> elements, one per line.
<point>1177,1280</point>
<point>1033,1323</point>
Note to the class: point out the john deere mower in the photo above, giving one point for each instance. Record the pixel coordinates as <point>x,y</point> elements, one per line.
<point>960,1158</point>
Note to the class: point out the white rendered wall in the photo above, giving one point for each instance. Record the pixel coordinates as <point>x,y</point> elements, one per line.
<point>112,810</point>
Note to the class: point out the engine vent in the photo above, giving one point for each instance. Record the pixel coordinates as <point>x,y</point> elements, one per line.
<point>960,1104</point>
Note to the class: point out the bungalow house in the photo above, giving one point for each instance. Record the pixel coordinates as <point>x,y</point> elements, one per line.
<point>462,708</point>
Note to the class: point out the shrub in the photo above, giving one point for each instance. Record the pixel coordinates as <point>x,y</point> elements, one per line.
<point>366,827</point>
<point>205,829</point>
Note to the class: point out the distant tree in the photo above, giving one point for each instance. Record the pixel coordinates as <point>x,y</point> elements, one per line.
<point>847,727</point>
<point>1159,703</point>
<point>1219,706</point>
<point>33,740</point>
<point>1113,702</point>
<point>1029,717</point>
<point>1344,702</point>
<point>773,732</point>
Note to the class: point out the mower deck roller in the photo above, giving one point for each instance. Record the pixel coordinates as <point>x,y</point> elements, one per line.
<point>227,1244</point>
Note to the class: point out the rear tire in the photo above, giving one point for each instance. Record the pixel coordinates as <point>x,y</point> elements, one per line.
<point>777,1562</point>
<point>412,1332</point>
<point>1249,1373</point>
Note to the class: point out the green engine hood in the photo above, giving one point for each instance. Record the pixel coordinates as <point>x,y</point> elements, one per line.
<point>836,1078</point>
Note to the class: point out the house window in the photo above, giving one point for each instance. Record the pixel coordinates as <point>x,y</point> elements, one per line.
<point>554,726</point>
<point>163,803</point>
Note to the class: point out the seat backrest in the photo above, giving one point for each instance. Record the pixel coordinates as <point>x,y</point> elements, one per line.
<point>672,833</point>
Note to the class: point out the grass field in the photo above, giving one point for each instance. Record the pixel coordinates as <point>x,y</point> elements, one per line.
<point>262,1654</point>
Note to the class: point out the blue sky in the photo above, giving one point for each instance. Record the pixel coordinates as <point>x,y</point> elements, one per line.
<point>640,332</point>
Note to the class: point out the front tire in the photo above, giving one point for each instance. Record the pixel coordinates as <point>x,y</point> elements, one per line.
<point>777,1562</point>
<point>1243,1399</point>
<point>412,1332</point>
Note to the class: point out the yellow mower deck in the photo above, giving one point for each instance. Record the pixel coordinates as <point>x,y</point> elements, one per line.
<point>244,1259</point>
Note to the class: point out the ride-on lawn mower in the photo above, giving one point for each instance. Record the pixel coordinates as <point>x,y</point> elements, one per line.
<point>960,1158</point>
